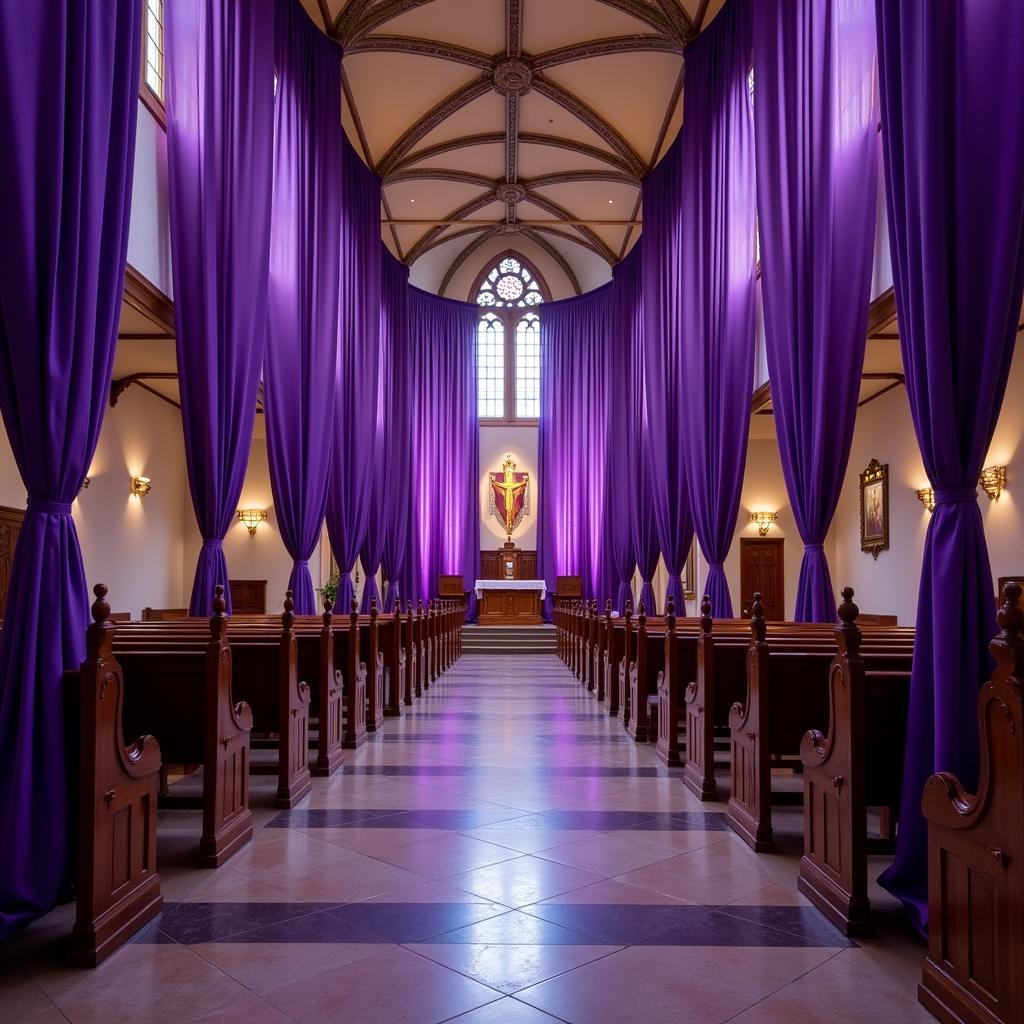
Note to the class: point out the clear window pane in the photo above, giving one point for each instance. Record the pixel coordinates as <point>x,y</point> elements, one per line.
<point>490,367</point>
<point>528,367</point>
<point>154,46</point>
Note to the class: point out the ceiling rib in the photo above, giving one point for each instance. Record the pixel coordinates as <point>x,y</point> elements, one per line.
<point>482,181</point>
<point>562,262</point>
<point>675,13</point>
<point>464,255</point>
<point>376,16</point>
<point>592,119</point>
<point>477,203</point>
<point>556,210</point>
<point>430,120</point>
<point>555,228</point>
<point>525,138</point>
<point>420,48</point>
<point>603,47</point>
<point>649,15</point>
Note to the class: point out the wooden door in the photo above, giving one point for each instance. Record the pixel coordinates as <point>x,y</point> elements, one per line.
<point>762,571</point>
<point>10,526</point>
<point>249,597</point>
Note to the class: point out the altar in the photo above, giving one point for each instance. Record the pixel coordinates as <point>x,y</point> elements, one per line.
<point>509,602</point>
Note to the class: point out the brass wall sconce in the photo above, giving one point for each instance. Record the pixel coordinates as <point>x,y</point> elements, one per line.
<point>763,520</point>
<point>993,481</point>
<point>927,498</point>
<point>85,484</point>
<point>141,486</point>
<point>251,518</point>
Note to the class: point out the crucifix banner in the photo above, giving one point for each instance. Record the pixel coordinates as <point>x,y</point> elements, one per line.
<point>509,495</point>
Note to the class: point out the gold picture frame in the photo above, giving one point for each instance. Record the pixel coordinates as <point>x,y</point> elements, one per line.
<point>690,574</point>
<point>874,508</point>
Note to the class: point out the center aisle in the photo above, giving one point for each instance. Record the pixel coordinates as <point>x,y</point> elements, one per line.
<point>503,854</point>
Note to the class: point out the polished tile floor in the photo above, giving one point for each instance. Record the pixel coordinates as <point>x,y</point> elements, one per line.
<point>501,855</point>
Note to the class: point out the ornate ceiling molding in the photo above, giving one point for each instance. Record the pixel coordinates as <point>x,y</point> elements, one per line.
<point>592,119</point>
<point>652,16</point>
<point>477,203</point>
<point>461,233</point>
<point>482,181</point>
<point>603,47</point>
<point>677,16</point>
<point>514,27</point>
<point>572,177</point>
<point>597,243</point>
<point>525,138</point>
<point>430,120</point>
<point>430,174</point>
<point>368,20</point>
<point>421,48</point>
<point>560,232</point>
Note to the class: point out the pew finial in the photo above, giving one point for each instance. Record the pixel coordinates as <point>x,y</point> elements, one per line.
<point>848,634</point>
<point>705,614</point>
<point>608,608</point>
<point>757,625</point>
<point>373,607</point>
<point>354,610</point>
<point>1008,646</point>
<point>328,612</point>
<point>641,614</point>
<point>100,634</point>
<point>218,620</point>
<point>670,614</point>
<point>629,607</point>
<point>288,618</point>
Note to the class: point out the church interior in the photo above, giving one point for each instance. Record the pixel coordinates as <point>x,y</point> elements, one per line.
<point>511,511</point>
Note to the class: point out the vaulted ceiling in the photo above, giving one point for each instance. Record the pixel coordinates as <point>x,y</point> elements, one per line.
<point>499,124</point>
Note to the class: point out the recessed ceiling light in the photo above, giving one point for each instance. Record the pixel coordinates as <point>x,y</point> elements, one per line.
<point>610,201</point>
<point>412,200</point>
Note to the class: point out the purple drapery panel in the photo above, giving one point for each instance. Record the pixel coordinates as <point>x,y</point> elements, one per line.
<point>371,552</point>
<point>815,126</point>
<point>620,475</point>
<point>445,450</point>
<point>664,390</point>
<point>69,79</point>
<point>953,139</point>
<point>575,391</point>
<point>394,299</point>
<point>302,297</point>
<point>640,500</point>
<point>220,129</point>
<point>355,420</point>
<point>716,224</point>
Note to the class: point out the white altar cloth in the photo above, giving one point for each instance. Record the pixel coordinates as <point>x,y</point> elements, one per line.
<point>481,585</point>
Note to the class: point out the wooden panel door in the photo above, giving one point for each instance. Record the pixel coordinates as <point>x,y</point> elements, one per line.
<point>10,526</point>
<point>762,571</point>
<point>249,597</point>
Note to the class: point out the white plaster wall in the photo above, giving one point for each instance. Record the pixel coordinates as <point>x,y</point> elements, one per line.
<point>885,432</point>
<point>149,234</point>
<point>134,545</point>
<point>260,557</point>
<point>522,442</point>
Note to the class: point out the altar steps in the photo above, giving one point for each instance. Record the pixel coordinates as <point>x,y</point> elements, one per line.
<point>508,640</point>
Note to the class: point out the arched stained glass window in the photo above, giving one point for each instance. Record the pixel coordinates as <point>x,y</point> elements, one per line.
<point>508,375</point>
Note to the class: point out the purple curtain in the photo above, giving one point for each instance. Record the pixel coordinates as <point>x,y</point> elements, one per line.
<point>660,248</point>
<point>69,77</point>
<point>220,129</point>
<point>371,553</point>
<point>815,118</point>
<point>302,301</point>
<point>716,284</point>
<point>445,450</point>
<point>953,107</point>
<point>395,373</point>
<point>620,475</point>
<point>355,420</point>
<point>575,391</point>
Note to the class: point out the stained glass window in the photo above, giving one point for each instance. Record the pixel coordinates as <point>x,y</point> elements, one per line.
<point>509,283</point>
<point>490,367</point>
<point>154,47</point>
<point>528,367</point>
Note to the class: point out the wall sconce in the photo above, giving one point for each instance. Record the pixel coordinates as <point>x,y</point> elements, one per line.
<point>993,480</point>
<point>763,520</point>
<point>251,518</point>
<point>85,484</point>
<point>141,486</point>
<point>927,498</point>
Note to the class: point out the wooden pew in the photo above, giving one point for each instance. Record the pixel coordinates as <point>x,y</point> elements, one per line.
<point>412,663</point>
<point>615,644</point>
<point>787,692</point>
<point>163,614</point>
<point>183,695</point>
<point>619,704</point>
<point>670,681</point>
<point>347,653</point>
<point>394,650</point>
<point>648,664</point>
<point>264,655</point>
<point>604,629</point>
<point>118,886</point>
<point>857,764</point>
<point>974,971</point>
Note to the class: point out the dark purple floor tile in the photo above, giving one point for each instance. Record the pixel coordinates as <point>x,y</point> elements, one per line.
<point>516,928</point>
<point>213,922</point>
<point>346,817</point>
<point>806,922</point>
<point>618,924</point>
<point>311,927</point>
<point>414,922</point>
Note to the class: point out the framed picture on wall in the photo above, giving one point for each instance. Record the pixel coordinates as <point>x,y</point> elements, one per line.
<point>874,508</point>
<point>690,574</point>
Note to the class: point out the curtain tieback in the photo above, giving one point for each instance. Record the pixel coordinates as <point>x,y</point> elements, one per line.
<point>48,507</point>
<point>814,547</point>
<point>302,563</point>
<point>214,542</point>
<point>956,495</point>
<point>717,565</point>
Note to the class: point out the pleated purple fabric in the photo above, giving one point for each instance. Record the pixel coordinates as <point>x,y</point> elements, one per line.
<point>815,128</point>
<point>575,391</point>
<point>69,77</point>
<point>665,390</point>
<point>952,105</point>
<point>220,133</point>
<point>356,386</point>
<point>716,284</point>
<point>302,308</point>
<point>445,450</point>
<point>394,326</point>
<point>371,551</point>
